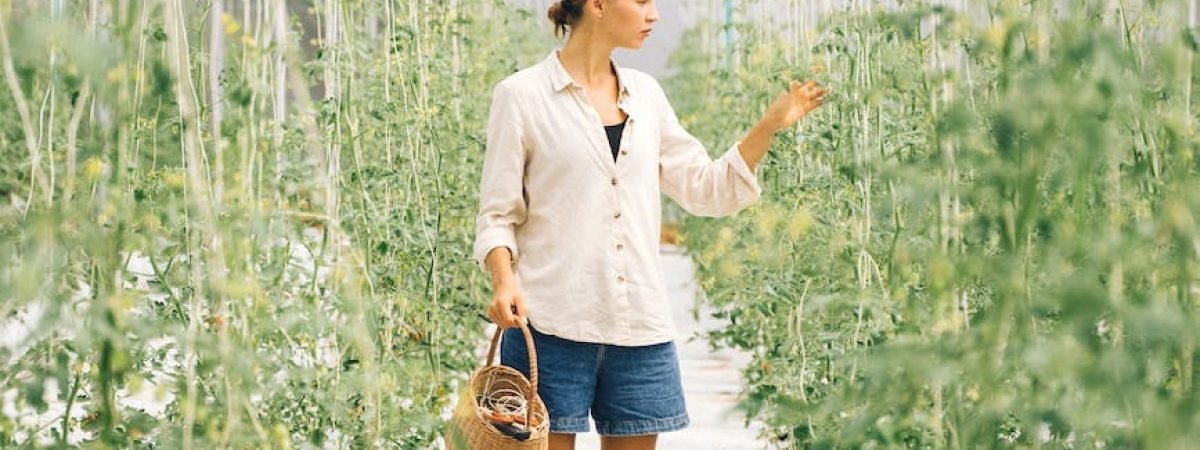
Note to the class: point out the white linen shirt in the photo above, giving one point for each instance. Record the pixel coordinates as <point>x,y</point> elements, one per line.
<point>584,230</point>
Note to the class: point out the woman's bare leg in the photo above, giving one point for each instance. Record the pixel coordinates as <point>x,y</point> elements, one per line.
<point>628,442</point>
<point>562,441</point>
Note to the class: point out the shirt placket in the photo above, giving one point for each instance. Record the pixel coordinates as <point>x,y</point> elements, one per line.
<point>620,239</point>
<point>619,283</point>
<point>623,147</point>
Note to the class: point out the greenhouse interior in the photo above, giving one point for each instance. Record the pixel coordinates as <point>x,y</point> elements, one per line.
<point>832,224</point>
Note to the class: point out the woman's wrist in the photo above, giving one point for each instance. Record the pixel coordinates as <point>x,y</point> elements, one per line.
<point>755,144</point>
<point>768,126</point>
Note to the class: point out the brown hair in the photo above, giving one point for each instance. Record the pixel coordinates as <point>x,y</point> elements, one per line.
<point>565,14</point>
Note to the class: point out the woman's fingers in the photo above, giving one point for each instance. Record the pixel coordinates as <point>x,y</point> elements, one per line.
<point>498,316</point>
<point>492,314</point>
<point>509,317</point>
<point>816,99</point>
<point>507,310</point>
<point>519,307</point>
<point>803,97</point>
<point>808,89</point>
<point>804,88</point>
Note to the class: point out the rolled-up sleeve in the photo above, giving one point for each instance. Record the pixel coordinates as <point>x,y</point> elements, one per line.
<point>502,200</point>
<point>700,185</point>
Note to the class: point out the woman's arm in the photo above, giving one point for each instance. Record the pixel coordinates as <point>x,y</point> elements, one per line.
<point>501,187</point>
<point>499,264</point>
<point>754,146</point>
<point>789,107</point>
<point>502,206</point>
<point>704,187</point>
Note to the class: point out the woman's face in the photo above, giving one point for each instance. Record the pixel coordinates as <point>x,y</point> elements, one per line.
<point>627,23</point>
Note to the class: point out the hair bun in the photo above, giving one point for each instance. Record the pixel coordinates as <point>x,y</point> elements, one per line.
<point>564,14</point>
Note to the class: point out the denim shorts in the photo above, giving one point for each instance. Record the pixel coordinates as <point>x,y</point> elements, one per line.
<point>629,390</point>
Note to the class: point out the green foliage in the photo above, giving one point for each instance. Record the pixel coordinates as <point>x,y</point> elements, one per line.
<point>308,282</point>
<point>984,239</point>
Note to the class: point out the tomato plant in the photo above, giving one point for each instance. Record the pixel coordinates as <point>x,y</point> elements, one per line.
<point>985,236</point>
<point>240,224</point>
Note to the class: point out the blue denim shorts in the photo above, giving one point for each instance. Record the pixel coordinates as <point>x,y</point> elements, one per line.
<point>629,390</point>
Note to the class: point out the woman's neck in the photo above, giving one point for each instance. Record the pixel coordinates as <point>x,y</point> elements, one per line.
<point>587,60</point>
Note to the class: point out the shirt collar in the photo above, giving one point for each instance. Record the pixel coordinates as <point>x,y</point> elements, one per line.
<point>560,79</point>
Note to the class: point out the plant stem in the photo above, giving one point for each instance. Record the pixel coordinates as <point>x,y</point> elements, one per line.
<point>30,135</point>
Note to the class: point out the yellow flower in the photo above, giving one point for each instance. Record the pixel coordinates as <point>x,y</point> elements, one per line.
<point>173,179</point>
<point>92,168</point>
<point>152,222</point>
<point>116,73</point>
<point>120,302</point>
<point>231,26</point>
<point>996,34</point>
<point>767,218</point>
<point>758,57</point>
<point>1038,39</point>
<point>800,223</point>
<point>281,436</point>
<point>248,40</point>
<point>729,268</point>
<point>135,383</point>
<point>940,271</point>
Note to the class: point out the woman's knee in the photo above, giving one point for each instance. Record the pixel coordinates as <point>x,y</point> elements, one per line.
<point>562,441</point>
<point>645,442</point>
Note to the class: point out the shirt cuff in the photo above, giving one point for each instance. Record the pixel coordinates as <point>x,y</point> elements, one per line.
<point>734,156</point>
<point>491,238</point>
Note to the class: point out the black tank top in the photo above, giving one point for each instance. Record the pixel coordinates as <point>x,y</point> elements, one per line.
<point>614,136</point>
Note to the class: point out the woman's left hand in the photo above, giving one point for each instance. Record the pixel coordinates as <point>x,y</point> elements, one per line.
<point>793,104</point>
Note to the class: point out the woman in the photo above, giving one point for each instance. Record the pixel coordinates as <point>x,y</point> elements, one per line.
<point>578,154</point>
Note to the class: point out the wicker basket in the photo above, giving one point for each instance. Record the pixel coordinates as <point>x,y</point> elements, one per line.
<point>471,430</point>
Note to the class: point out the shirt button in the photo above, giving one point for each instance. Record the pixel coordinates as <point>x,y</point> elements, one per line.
<point>621,278</point>
<point>620,246</point>
<point>624,152</point>
<point>617,215</point>
<point>614,181</point>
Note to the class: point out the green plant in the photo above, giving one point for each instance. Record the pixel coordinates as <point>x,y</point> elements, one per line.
<point>985,237</point>
<point>252,209</point>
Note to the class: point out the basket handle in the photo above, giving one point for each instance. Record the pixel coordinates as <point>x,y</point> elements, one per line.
<point>533,371</point>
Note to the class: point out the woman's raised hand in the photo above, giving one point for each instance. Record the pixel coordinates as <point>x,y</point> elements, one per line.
<point>793,104</point>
